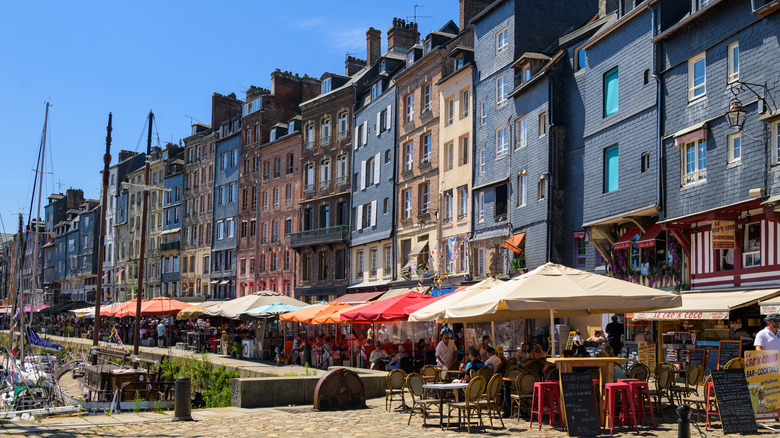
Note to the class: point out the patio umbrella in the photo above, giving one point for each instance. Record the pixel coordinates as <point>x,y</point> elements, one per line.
<point>195,311</point>
<point>162,306</point>
<point>389,310</point>
<point>122,309</point>
<point>326,317</point>
<point>435,310</point>
<point>551,289</point>
<point>274,308</point>
<point>64,307</point>
<point>231,309</point>
<point>306,314</point>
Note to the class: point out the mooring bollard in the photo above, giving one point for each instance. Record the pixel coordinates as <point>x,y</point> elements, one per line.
<point>182,404</point>
<point>684,422</point>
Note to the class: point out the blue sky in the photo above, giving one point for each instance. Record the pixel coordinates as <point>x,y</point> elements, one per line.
<point>92,58</point>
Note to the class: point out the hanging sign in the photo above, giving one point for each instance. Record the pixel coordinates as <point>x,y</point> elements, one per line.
<point>723,236</point>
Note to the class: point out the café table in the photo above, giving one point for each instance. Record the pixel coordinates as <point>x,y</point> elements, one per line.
<point>441,388</point>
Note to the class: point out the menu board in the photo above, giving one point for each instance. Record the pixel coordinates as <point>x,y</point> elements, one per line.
<point>697,357</point>
<point>570,341</point>
<point>711,364</point>
<point>646,354</point>
<point>728,350</point>
<point>579,404</point>
<point>761,374</point>
<point>734,405</point>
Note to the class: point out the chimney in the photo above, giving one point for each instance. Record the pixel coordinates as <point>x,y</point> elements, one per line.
<point>607,7</point>
<point>124,155</point>
<point>223,108</point>
<point>469,9</point>
<point>373,46</point>
<point>402,36</point>
<point>353,65</point>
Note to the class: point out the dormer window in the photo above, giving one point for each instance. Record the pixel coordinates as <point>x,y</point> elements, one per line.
<point>459,62</point>
<point>526,73</point>
<point>382,66</point>
<point>376,90</point>
<point>410,59</point>
<point>273,134</point>
<point>326,85</point>
<point>427,45</point>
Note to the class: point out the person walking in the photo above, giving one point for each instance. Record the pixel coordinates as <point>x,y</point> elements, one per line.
<point>161,335</point>
<point>769,337</point>
<point>615,332</point>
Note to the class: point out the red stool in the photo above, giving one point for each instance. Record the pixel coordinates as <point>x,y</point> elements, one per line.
<point>641,392</point>
<point>709,391</point>
<point>627,413</point>
<point>627,380</point>
<point>545,392</point>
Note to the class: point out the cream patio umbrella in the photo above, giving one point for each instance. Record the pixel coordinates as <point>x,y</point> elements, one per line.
<point>435,311</point>
<point>551,289</point>
<point>231,309</point>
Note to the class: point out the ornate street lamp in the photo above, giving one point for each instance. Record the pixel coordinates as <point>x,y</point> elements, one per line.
<point>736,115</point>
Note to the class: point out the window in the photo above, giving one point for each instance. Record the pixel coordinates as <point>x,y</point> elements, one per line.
<point>373,264</point>
<point>388,260</point>
<point>408,156</point>
<point>325,173</point>
<point>325,131</point>
<point>387,156</point>
<point>277,167</point>
<point>343,124</point>
<point>482,163</point>
<point>697,84</point>
<point>464,150</point>
<point>541,188</point>
<point>611,172</point>
<point>501,197</point>
<point>502,140</point>
<point>751,249</point>
<point>326,85</point>
<point>425,198</point>
<point>276,197</point>
<point>368,172</point>
<point>464,104</point>
<point>735,146</point>
<point>645,161</point>
<point>308,183</point>
<point>407,197</point>
<point>694,161</point>
<point>410,59</point>
<point>449,150</point>
<point>481,262</point>
<point>323,265</point>
<point>733,55</point>
<point>481,207</point>
<point>611,92</point>
<point>463,202</point>
<point>290,163</point>
<point>266,169</point>
<point>287,226</point>
<point>341,266</point>
<point>521,132</point>
<point>409,109</point>
<point>448,206</point>
<point>359,264</point>
<point>522,188</point>
<point>579,59</point>
<point>483,113</point>
<point>579,249</point>
<point>427,97</point>
<point>386,206</point>
<point>502,89</point>
<point>502,40</point>
<point>265,200</point>
<point>306,266</point>
<point>309,136</point>
<point>775,140</point>
<point>526,74</point>
<point>450,105</point>
<point>425,149</point>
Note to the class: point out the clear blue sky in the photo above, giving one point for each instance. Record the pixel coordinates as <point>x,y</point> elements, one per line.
<point>92,58</point>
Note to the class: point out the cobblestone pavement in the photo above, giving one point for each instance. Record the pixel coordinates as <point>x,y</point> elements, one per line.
<point>296,420</point>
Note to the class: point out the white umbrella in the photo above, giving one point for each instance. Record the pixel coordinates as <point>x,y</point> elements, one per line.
<point>233,308</point>
<point>435,311</point>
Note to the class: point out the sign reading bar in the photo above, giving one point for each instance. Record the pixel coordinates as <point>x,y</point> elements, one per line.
<point>762,370</point>
<point>654,316</point>
<point>723,235</point>
<point>579,404</point>
<point>736,412</point>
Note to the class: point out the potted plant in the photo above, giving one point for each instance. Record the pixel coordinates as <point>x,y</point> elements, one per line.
<point>237,351</point>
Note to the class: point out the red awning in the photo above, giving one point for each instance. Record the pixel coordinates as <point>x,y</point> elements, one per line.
<point>515,243</point>
<point>648,239</point>
<point>389,310</point>
<point>358,297</point>
<point>625,240</point>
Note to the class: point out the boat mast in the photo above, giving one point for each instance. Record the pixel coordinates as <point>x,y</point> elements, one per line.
<point>101,240</point>
<point>137,327</point>
<point>19,283</point>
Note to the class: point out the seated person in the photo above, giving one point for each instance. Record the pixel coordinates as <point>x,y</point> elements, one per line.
<point>475,363</point>
<point>493,361</point>
<point>597,337</point>
<point>537,353</point>
<point>377,356</point>
<point>606,352</point>
<point>522,354</point>
<point>577,338</point>
<point>395,362</point>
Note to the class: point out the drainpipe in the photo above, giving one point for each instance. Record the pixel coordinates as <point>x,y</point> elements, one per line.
<point>659,188</point>
<point>548,175</point>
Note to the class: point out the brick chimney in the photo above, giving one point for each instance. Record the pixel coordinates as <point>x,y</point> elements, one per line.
<point>402,36</point>
<point>353,65</point>
<point>223,108</point>
<point>124,155</point>
<point>75,197</point>
<point>373,46</point>
<point>469,9</point>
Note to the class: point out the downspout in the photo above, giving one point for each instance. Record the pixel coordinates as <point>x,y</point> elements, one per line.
<point>659,188</point>
<point>393,211</point>
<point>548,175</point>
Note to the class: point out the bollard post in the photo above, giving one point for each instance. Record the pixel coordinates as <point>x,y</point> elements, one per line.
<point>684,422</point>
<point>182,404</point>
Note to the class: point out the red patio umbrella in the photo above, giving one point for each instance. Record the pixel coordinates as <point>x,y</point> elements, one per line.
<point>161,306</point>
<point>125,309</point>
<point>389,310</point>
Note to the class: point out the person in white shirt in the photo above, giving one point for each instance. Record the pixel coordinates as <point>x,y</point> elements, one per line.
<point>493,361</point>
<point>445,350</point>
<point>769,337</point>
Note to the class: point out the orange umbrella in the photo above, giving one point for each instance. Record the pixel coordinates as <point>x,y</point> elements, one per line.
<point>308,313</point>
<point>125,309</point>
<point>162,306</point>
<point>334,317</point>
<point>109,310</point>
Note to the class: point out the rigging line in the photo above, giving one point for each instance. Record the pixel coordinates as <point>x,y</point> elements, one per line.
<point>156,131</point>
<point>141,137</point>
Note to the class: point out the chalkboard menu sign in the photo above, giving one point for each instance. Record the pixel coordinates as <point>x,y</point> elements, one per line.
<point>728,350</point>
<point>712,363</point>
<point>579,404</point>
<point>736,410</point>
<point>570,341</point>
<point>697,357</point>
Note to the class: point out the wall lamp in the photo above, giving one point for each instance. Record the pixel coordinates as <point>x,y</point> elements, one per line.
<point>736,114</point>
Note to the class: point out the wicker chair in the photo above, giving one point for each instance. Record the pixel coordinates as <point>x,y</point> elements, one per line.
<point>492,400</point>
<point>470,405</point>
<point>692,378</point>
<point>736,363</point>
<point>524,386</point>
<point>414,384</point>
<point>486,373</point>
<point>430,374</point>
<point>639,371</point>
<point>551,375</point>
<point>395,387</point>
<point>537,367</point>
<point>663,381</point>
<point>514,373</point>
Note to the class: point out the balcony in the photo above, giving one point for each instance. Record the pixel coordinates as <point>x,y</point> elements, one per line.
<point>170,246</point>
<point>321,236</point>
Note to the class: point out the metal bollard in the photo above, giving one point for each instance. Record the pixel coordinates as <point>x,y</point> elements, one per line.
<point>182,405</point>
<point>684,422</point>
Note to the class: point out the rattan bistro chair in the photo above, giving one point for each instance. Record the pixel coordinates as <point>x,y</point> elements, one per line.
<point>395,388</point>
<point>492,401</point>
<point>414,384</point>
<point>663,381</point>
<point>470,405</point>
<point>524,386</point>
<point>692,378</point>
<point>639,371</point>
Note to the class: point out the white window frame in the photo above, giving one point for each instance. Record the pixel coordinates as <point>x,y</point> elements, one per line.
<point>343,124</point>
<point>342,168</point>
<point>502,40</point>
<point>502,140</point>
<point>734,142</point>
<point>427,93</point>
<point>465,103</point>
<point>733,62</point>
<point>522,189</point>
<point>448,206</point>
<point>408,156</point>
<point>449,150</point>
<point>450,105</point>
<point>482,160</point>
<point>502,89</point>
<point>409,108</point>
<point>481,256</point>
<point>425,198</point>
<point>543,124</point>
<point>481,207</point>
<point>426,148</point>
<point>751,256</point>
<point>693,89</point>
<point>775,141</point>
<point>463,202</point>
<point>407,198</point>
<point>521,132</point>
<point>698,173</point>
<point>483,111</point>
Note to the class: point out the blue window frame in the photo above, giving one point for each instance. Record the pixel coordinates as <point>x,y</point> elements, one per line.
<point>611,169</point>
<point>611,92</point>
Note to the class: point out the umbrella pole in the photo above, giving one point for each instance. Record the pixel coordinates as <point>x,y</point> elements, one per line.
<point>552,332</point>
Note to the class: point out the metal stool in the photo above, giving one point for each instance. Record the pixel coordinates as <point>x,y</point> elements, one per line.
<point>641,392</point>
<point>545,392</point>
<point>627,412</point>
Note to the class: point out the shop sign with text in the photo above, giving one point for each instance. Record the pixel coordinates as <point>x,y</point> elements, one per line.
<point>762,370</point>
<point>680,315</point>
<point>723,236</point>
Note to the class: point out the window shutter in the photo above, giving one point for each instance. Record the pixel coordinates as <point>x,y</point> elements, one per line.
<point>387,116</point>
<point>378,123</point>
<point>360,217</point>
<point>373,213</point>
<point>365,132</point>
<point>355,139</point>
<point>362,175</point>
<point>376,168</point>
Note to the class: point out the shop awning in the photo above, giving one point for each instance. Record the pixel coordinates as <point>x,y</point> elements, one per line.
<point>224,282</point>
<point>625,240</point>
<point>770,307</point>
<point>709,304</point>
<point>648,239</point>
<point>357,298</point>
<point>515,243</point>
<point>171,231</point>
